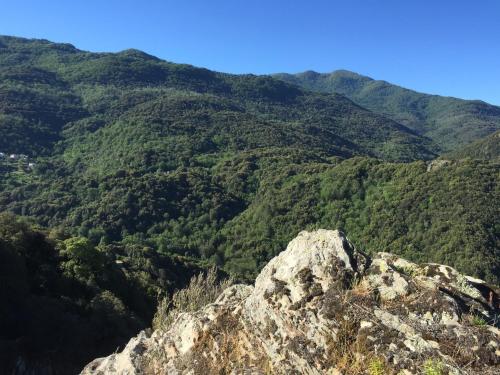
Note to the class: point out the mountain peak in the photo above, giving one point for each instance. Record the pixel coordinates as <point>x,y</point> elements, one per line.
<point>132,52</point>
<point>449,122</point>
<point>7,41</point>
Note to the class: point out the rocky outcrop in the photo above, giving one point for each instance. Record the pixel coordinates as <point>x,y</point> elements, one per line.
<point>322,307</point>
<point>436,164</point>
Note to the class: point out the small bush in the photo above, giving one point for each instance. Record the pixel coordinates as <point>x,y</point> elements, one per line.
<point>377,367</point>
<point>433,367</point>
<point>202,290</point>
<point>478,320</point>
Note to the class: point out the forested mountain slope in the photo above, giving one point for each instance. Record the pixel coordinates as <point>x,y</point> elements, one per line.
<point>449,122</point>
<point>128,174</point>
<point>127,147</point>
<point>487,148</point>
<point>54,92</point>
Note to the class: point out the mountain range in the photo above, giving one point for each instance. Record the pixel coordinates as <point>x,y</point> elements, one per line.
<point>450,122</point>
<point>122,174</point>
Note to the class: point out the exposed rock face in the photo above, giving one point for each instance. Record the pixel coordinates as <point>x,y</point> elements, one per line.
<point>322,307</point>
<point>436,164</point>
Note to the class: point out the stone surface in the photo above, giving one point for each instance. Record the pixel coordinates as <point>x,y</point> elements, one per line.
<point>129,361</point>
<point>322,307</point>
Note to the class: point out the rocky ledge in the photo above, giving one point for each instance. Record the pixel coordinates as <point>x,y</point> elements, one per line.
<point>322,307</point>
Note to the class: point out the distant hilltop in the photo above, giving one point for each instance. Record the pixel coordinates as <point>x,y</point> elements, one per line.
<point>450,122</point>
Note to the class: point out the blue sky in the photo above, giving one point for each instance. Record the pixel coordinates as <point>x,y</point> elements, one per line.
<point>442,46</point>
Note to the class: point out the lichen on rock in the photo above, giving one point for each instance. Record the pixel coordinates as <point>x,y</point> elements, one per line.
<point>323,307</point>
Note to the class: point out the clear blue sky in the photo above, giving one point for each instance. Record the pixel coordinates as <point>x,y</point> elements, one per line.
<point>447,47</point>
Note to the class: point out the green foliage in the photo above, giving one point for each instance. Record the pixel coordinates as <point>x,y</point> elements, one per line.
<point>65,302</point>
<point>57,98</point>
<point>377,367</point>
<point>433,367</point>
<point>83,262</point>
<point>443,216</point>
<point>478,321</point>
<point>487,148</point>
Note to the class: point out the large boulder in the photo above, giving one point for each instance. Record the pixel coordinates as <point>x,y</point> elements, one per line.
<point>322,307</point>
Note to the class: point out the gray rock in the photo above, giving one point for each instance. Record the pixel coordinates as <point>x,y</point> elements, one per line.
<point>322,307</point>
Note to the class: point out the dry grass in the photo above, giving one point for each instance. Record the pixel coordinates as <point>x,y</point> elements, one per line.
<point>202,290</point>
<point>344,347</point>
<point>349,353</point>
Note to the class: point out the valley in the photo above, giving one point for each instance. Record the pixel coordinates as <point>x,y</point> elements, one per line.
<point>131,174</point>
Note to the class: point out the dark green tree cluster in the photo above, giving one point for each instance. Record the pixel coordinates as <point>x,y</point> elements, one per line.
<point>65,301</point>
<point>487,148</point>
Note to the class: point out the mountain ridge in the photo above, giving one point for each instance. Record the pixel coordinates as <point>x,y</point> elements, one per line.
<point>86,74</point>
<point>450,122</point>
<point>366,78</point>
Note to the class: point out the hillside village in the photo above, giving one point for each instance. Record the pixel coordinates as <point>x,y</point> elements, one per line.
<point>19,159</point>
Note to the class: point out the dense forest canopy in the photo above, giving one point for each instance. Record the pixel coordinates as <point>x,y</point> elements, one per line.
<point>450,122</point>
<point>487,148</point>
<point>122,175</point>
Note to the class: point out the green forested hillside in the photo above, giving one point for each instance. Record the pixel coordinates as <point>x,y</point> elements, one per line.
<point>487,148</point>
<point>444,215</point>
<point>449,122</point>
<point>240,210</point>
<point>57,93</point>
<point>129,174</point>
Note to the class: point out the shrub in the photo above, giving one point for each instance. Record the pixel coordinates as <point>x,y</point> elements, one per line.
<point>433,367</point>
<point>376,367</point>
<point>478,320</point>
